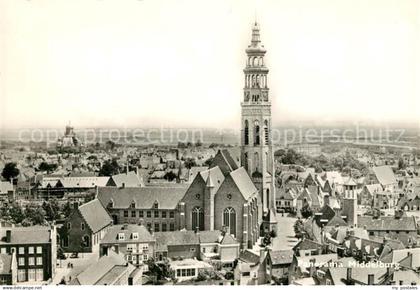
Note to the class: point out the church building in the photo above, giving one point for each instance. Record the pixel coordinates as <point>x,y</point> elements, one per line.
<point>239,199</point>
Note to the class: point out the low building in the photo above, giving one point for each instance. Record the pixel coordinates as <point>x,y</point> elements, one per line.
<point>111,269</point>
<point>278,265</point>
<point>134,242</point>
<point>85,227</point>
<point>155,206</point>
<point>188,269</point>
<point>402,228</point>
<point>36,251</point>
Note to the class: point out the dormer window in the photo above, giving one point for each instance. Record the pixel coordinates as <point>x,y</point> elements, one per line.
<point>111,204</point>
<point>133,204</point>
<point>135,236</point>
<point>156,205</point>
<point>121,236</point>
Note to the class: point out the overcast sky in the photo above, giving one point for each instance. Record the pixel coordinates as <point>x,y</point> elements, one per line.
<point>179,63</point>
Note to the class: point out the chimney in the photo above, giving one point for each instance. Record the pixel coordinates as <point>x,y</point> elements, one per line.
<point>8,236</point>
<point>349,274</point>
<point>123,185</point>
<point>311,267</point>
<point>371,279</point>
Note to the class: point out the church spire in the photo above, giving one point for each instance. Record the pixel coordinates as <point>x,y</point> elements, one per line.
<point>255,41</point>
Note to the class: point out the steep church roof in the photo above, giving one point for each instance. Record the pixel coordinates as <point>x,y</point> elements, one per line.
<point>243,182</point>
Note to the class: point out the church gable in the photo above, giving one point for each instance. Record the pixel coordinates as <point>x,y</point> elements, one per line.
<point>224,161</point>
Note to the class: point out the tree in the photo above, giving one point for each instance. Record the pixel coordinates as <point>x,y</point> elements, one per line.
<point>208,161</point>
<point>266,241</point>
<point>170,176</point>
<point>44,166</point>
<point>10,171</point>
<point>401,163</point>
<point>16,213</point>
<point>67,209</point>
<point>35,215</point>
<point>299,229</point>
<point>110,145</point>
<point>190,162</point>
<point>109,168</point>
<point>52,210</point>
<point>306,211</point>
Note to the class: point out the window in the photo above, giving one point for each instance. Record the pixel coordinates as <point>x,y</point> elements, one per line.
<point>135,236</point>
<point>192,250</point>
<point>126,213</point>
<point>31,261</point>
<point>156,205</point>
<point>156,214</point>
<point>68,226</point>
<point>121,236</point>
<point>149,226</point>
<point>149,214</point>
<point>130,247</point>
<point>164,227</point>
<point>197,218</point>
<point>157,227</point>
<point>21,261</point>
<point>145,247</point>
<point>133,205</point>
<point>246,133</point>
<point>171,214</point>
<point>39,274</point>
<point>21,250</point>
<point>266,140</point>
<point>31,250</point>
<point>141,214</point>
<point>86,241</point>
<point>229,220</point>
<point>178,272</point>
<point>256,133</point>
<point>145,257</point>
<point>171,227</point>
<point>164,214</point>
<point>82,226</point>
<point>133,213</point>
<point>39,261</point>
<point>65,242</point>
<point>21,275</point>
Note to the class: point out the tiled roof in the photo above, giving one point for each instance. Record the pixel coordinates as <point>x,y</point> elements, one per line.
<point>229,159</point>
<point>385,175</point>
<point>130,179</point>
<point>281,257</point>
<point>243,182</point>
<point>399,255</point>
<point>95,215</point>
<point>26,235</point>
<point>372,188</point>
<point>143,234</point>
<point>307,244</point>
<point>209,236</point>
<point>143,197</point>
<point>249,257</point>
<point>5,264</point>
<point>228,239</point>
<point>165,239</point>
<point>387,223</point>
<point>339,274</point>
<point>96,271</point>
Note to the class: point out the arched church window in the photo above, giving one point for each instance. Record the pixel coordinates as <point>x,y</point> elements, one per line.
<point>246,161</point>
<point>256,161</point>
<point>197,218</point>
<point>229,220</point>
<point>246,133</point>
<point>267,198</point>
<point>256,133</point>
<point>266,132</point>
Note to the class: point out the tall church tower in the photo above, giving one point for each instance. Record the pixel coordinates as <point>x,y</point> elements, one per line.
<point>256,144</point>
